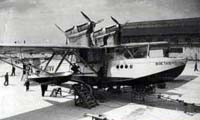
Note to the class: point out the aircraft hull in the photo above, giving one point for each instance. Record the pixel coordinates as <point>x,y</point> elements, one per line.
<point>143,71</point>
<point>160,77</point>
<point>164,76</point>
<point>144,67</point>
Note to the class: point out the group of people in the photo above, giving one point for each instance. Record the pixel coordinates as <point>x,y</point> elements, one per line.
<point>6,83</point>
<point>25,73</point>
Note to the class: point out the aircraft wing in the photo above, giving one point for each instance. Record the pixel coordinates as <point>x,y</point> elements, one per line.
<point>125,45</point>
<point>49,48</point>
<point>35,48</point>
<point>143,44</point>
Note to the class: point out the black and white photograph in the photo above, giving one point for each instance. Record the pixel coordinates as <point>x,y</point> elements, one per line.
<point>100,60</point>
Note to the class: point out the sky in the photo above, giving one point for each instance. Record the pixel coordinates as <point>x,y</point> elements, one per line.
<point>33,20</point>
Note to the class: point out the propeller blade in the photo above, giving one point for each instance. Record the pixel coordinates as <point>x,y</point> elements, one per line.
<point>115,20</point>
<point>69,30</point>
<point>86,17</point>
<point>59,28</point>
<point>99,21</point>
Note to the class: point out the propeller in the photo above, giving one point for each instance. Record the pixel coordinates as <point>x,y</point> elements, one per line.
<point>115,20</point>
<point>67,39</point>
<point>119,29</point>
<point>60,28</point>
<point>86,17</point>
<point>99,21</point>
<point>92,24</point>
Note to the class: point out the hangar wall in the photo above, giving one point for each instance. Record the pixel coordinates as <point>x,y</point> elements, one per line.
<point>183,35</point>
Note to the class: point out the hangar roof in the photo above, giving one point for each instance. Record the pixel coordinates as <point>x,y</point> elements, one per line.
<point>162,27</point>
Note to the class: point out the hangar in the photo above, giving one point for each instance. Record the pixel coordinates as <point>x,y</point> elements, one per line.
<point>183,35</point>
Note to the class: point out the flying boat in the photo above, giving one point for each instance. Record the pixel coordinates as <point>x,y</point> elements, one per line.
<point>98,58</point>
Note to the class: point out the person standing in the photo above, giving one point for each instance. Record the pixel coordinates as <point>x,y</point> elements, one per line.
<point>75,68</point>
<point>27,84</point>
<point>43,89</point>
<point>13,71</point>
<point>6,83</point>
<point>24,71</point>
<point>195,65</point>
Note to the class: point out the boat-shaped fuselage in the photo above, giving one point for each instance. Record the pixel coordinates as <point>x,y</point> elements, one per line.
<point>144,67</point>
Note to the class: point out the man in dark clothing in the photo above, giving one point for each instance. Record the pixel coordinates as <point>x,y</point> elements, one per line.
<point>13,71</point>
<point>24,72</point>
<point>75,68</point>
<point>27,84</point>
<point>6,83</point>
<point>195,65</point>
<point>24,69</point>
<point>43,89</point>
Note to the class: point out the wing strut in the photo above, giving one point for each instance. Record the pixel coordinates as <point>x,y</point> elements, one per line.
<point>49,61</point>
<point>17,59</point>
<point>11,64</point>
<point>86,63</point>
<point>61,61</point>
<point>129,52</point>
<point>70,61</point>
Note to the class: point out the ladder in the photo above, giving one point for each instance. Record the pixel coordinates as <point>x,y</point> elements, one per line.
<point>83,96</point>
<point>55,92</point>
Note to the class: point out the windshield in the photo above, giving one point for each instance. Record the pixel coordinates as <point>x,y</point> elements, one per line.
<point>137,52</point>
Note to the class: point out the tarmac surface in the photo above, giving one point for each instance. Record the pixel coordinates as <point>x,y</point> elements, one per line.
<point>18,104</point>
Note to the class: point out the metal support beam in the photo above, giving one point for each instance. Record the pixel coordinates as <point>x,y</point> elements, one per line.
<point>84,62</point>
<point>61,61</point>
<point>129,52</point>
<point>71,63</point>
<point>15,59</point>
<point>148,50</point>
<point>49,61</point>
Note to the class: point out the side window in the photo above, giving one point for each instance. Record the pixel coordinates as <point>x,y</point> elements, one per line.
<point>131,66</point>
<point>126,66</point>
<point>176,50</point>
<point>121,66</point>
<point>117,66</point>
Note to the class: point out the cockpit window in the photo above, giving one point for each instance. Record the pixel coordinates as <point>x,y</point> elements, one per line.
<point>140,52</point>
<point>137,52</point>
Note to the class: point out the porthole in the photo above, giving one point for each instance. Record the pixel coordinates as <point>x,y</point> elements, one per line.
<point>126,66</point>
<point>117,66</point>
<point>121,66</point>
<point>131,66</point>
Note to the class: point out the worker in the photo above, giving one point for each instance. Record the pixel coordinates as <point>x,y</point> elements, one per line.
<point>75,68</point>
<point>24,72</point>
<point>195,65</point>
<point>6,83</point>
<point>27,84</point>
<point>43,89</point>
<point>13,71</point>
